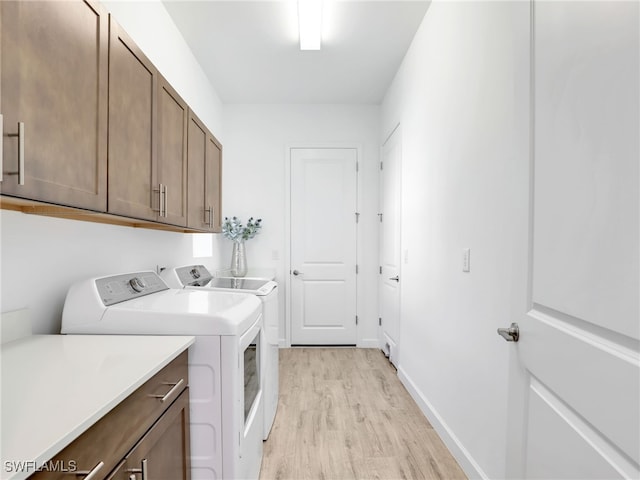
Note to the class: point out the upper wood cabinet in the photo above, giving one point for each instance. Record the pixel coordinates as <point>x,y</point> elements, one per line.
<point>204,180</point>
<point>172,154</point>
<point>54,83</point>
<point>133,85</point>
<point>90,123</point>
<point>147,138</point>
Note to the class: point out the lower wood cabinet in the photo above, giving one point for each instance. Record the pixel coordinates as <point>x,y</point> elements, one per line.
<point>163,453</point>
<point>145,437</point>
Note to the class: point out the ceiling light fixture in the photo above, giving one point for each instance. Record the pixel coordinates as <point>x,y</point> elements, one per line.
<point>310,24</point>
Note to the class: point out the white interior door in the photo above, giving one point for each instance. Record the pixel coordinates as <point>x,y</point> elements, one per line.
<point>323,246</point>
<point>390,245</point>
<point>575,401</point>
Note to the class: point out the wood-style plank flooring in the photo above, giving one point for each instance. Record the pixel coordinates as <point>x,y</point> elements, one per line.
<point>343,414</point>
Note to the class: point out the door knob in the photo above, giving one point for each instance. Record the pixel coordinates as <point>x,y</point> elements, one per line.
<point>296,273</point>
<point>511,334</point>
<point>395,279</point>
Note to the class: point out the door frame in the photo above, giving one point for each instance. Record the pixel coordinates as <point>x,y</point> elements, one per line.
<point>287,229</point>
<point>394,135</point>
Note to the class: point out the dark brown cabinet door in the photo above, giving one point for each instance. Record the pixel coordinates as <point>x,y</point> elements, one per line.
<point>204,167</point>
<point>172,155</point>
<point>163,453</point>
<point>54,82</point>
<point>133,80</point>
<point>213,175</point>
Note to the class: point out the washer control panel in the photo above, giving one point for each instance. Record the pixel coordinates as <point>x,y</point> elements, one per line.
<point>194,275</point>
<point>120,288</point>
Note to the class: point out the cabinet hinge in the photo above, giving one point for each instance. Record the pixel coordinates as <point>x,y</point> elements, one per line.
<point>380,217</point>
<point>380,321</point>
<point>357,269</point>
<point>356,319</point>
<point>381,167</point>
<point>357,166</point>
<point>357,217</point>
<point>380,269</point>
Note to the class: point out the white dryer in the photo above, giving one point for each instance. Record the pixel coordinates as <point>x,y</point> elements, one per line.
<point>225,376</point>
<point>198,277</point>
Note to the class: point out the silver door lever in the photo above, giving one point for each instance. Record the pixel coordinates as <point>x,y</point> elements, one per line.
<point>511,334</point>
<point>395,279</point>
<point>296,273</point>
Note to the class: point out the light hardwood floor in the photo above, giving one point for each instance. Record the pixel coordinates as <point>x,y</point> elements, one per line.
<point>343,414</point>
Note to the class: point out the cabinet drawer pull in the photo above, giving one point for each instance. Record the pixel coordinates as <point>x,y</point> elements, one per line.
<point>89,475</point>
<point>142,470</point>
<point>20,136</point>
<point>176,387</point>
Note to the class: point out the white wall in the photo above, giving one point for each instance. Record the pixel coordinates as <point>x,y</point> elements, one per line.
<point>149,25</point>
<point>42,256</point>
<point>254,168</point>
<point>461,96</point>
<point>63,251</point>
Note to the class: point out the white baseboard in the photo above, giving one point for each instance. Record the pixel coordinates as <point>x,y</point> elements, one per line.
<point>364,343</point>
<point>462,456</point>
<point>369,343</point>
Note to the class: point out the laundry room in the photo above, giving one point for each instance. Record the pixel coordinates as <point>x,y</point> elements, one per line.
<point>448,195</point>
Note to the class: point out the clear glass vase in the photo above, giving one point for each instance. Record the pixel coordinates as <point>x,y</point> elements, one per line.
<point>238,260</point>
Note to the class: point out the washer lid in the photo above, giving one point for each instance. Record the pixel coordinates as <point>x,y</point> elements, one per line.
<point>164,312</point>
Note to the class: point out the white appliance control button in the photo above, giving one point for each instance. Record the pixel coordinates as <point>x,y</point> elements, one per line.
<point>137,284</point>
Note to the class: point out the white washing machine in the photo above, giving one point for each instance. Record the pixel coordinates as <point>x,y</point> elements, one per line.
<point>225,375</point>
<point>198,277</point>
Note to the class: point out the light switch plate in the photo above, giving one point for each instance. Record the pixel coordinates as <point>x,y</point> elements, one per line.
<point>466,260</point>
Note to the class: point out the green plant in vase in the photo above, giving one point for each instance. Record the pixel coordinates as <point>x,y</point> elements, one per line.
<point>234,230</point>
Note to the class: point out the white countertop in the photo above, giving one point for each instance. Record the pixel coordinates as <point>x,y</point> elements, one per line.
<point>54,387</point>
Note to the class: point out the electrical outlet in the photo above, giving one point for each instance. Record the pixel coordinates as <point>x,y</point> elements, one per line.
<point>466,260</point>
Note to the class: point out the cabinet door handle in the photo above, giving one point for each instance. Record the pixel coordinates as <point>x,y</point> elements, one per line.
<point>209,214</point>
<point>165,195</point>
<point>20,136</point>
<point>161,200</point>
<point>142,470</point>
<point>91,474</point>
<point>160,191</point>
<point>176,386</point>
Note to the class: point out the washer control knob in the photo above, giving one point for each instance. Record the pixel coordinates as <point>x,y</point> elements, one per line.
<point>195,273</point>
<point>137,284</point>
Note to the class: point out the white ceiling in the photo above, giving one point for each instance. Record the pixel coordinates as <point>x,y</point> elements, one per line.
<point>249,49</point>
